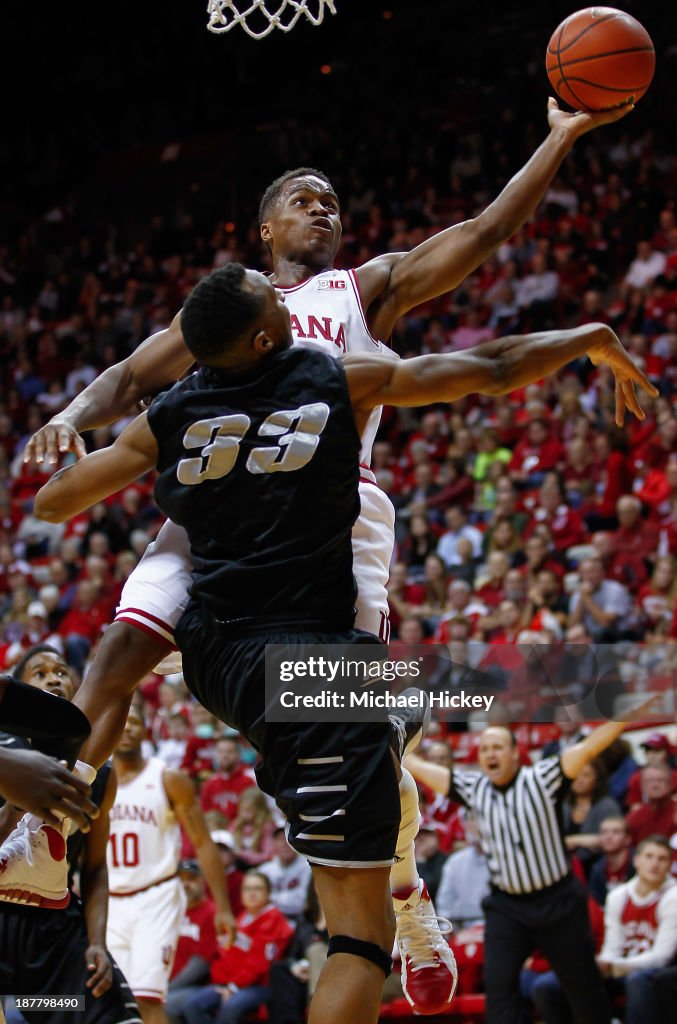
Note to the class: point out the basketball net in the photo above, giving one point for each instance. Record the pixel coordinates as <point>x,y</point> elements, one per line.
<point>257,21</point>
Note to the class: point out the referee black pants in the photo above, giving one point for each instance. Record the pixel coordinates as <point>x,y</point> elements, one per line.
<point>554,920</point>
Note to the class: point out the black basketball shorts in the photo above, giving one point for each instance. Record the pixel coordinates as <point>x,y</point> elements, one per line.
<point>42,952</point>
<point>335,782</point>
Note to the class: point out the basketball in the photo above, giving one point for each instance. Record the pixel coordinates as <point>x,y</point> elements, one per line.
<point>600,58</point>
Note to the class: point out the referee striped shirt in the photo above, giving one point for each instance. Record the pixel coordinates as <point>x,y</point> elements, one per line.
<point>519,824</point>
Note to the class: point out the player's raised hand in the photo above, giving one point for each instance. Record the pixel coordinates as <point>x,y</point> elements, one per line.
<point>100,968</point>
<point>611,353</point>
<point>52,441</point>
<point>40,784</point>
<point>582,121</point>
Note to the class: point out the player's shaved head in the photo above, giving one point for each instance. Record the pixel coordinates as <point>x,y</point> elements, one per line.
<point>274,190</point>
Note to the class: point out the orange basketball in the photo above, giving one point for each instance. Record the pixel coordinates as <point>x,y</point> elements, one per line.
<point>599,58</point>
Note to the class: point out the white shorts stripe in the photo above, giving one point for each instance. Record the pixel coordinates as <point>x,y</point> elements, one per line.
<point>319,760</point>
<point>331,839</point>
<point>321,817</point>
<point>322,789</point>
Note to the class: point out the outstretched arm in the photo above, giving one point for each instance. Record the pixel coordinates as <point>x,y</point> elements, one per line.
<point>575,758</point>
<point>104,472</point>
<point>494,368</point>
<point>395,283</point>
<point>159,361</point>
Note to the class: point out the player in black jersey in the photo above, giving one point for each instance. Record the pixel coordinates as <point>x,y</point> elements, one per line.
<point>258,456</point>
<point>48,950</point>
<point>35,781</point>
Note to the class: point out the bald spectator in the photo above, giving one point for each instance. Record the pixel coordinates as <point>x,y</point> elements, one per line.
<point>601,605</point>
<point>658,815</point>
<point>635,535</point>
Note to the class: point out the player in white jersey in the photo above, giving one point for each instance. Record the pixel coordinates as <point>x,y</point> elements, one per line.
<point>300,223</point>
<point>147,900</point>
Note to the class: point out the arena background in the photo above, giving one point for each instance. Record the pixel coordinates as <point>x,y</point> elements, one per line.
<point>135,149</point>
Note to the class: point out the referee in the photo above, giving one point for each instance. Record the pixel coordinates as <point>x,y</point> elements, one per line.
<point>534,900</point>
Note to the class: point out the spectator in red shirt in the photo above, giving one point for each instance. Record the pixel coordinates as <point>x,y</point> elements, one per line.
<point>82,624</point>
<point>491,589</point>
<point>658,815</point>
<point>225,844</point>
<point>613,478</point>
<point>566,526</point>
<point>635,535</point>
<point>197,942</point>
<point>404,597</point>
<point>222,791</point>
<point>240,971</point>
<point>536,453</point>
<point>657,752</point>
<point>619,565</point>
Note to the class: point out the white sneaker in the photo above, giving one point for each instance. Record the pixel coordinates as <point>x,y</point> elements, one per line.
<point>429,972</point>
<point>33,865</point>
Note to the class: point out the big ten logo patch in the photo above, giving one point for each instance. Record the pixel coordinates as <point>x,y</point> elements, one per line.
<point>167,955</point>
<point>331,284</point>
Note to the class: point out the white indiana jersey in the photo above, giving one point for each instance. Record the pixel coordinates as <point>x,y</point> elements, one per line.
<point>327,309</point>
<point>145,841</point>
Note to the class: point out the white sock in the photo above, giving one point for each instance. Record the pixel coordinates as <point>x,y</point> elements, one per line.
<point>404,873</point>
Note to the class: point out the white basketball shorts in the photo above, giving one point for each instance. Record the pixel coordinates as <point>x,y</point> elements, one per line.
<point>142,935</point>
<point>156,594</point>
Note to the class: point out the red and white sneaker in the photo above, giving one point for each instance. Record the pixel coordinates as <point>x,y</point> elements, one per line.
<point>33,865</point>
<point>429,973</point>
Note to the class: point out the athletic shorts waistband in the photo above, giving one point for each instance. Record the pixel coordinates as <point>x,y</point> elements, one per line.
<point>145,888</point>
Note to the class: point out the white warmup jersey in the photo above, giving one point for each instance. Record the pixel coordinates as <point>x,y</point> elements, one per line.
<point>325,310</point>
<point>145,840</point>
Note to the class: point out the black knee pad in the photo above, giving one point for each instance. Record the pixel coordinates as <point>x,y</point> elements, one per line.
<point>358,947</point>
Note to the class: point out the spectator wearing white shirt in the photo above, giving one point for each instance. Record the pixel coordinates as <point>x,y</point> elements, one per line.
<point>457,528</point>
<point>465,881</point>
<point>288,874</point>
<point>646,266</point>
<point>600,604</point>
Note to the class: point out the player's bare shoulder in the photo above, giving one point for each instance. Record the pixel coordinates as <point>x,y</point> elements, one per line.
<point>373,277</point>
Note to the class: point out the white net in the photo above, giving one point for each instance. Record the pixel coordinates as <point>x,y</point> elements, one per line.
<point>256,18</point>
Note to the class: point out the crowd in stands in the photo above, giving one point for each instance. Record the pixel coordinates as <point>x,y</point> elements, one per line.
<point>525,520</point>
